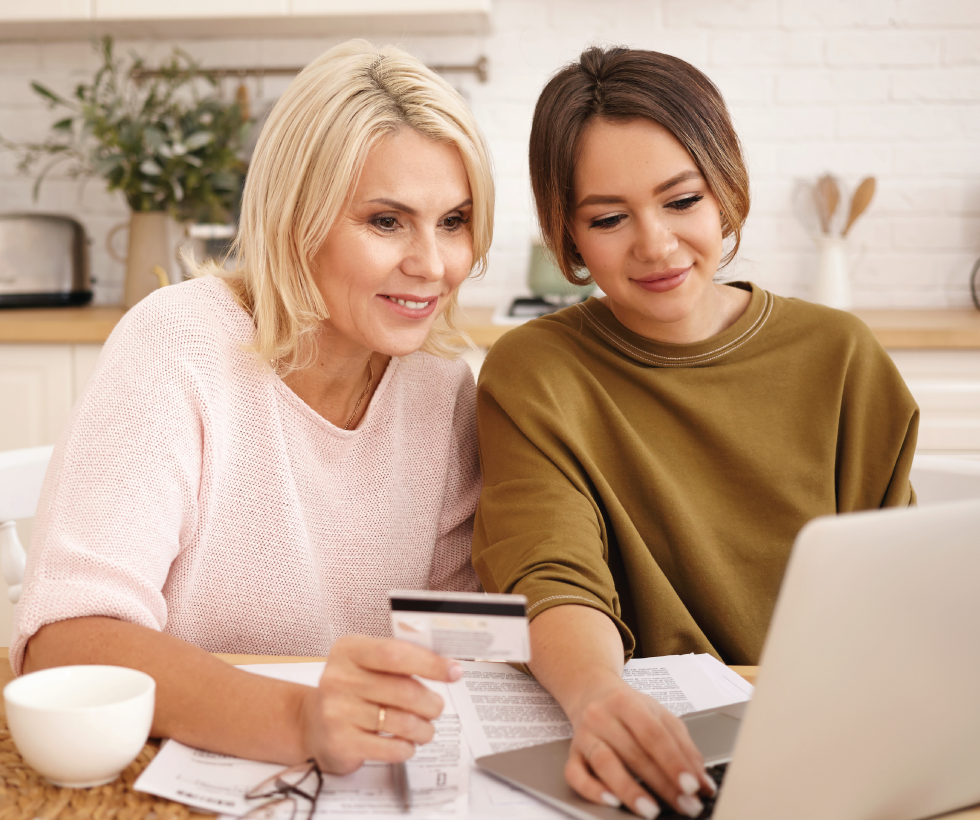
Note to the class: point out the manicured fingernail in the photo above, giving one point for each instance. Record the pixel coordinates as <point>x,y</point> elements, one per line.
<point>611,800</point>
<point>691,806</point>
<point>455,671</point>
<point>645,807</point>
<point>689,783</point>
<point>712,786</point>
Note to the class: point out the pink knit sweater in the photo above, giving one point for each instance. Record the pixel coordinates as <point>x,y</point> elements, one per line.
<point>193,492</point>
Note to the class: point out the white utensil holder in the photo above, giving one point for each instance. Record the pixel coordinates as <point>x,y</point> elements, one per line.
<point>832,286</point>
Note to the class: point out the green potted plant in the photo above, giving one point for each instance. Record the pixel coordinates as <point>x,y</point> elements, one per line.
<point>175,153</point>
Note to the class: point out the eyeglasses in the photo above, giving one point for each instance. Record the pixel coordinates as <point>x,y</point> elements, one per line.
<point>286,792</point>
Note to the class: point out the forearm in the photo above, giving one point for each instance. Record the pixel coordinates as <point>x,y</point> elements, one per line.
<point>200,700</point>
<point>576,654</point>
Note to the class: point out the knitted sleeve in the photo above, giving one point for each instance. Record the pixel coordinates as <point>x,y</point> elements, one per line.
<point>452,568</point>
<point>120,494</point>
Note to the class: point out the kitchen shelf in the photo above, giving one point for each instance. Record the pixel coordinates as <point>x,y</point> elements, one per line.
<point>204,19</point>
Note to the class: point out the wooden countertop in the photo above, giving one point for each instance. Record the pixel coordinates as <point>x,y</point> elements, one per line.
<point>84,325</point>
<point>909,329</point>
<point>954,329</point>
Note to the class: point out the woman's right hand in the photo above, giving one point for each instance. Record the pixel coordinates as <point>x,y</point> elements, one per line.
<point>368,706</point>
<point>621,735</point>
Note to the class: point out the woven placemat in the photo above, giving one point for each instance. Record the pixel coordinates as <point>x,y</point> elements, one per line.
<point>25,795</point>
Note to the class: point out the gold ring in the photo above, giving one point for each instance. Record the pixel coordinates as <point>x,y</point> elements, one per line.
<point>381,719</point>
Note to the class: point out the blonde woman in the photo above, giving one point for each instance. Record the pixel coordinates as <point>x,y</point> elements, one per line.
<point>260,457</point>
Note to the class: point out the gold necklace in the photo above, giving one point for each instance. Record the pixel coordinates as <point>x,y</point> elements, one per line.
<point>363,394</point>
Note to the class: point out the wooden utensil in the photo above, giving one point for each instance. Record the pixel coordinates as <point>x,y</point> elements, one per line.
<point>860,201</point>
<point>828,195</point>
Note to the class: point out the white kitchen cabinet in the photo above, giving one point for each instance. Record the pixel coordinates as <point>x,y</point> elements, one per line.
<point>46,10</point>
<point>82,19</point>
<point>336,7</point>
<point>170,9</point>
<point>946,385</point>
<point>39,384</point>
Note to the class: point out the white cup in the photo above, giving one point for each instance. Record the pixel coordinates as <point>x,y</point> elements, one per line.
<point>80,726</point>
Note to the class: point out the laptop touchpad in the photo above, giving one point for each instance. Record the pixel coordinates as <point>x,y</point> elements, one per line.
<point>714,734</point>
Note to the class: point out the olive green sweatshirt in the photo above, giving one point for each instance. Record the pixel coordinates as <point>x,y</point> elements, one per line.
<point>664,484</point>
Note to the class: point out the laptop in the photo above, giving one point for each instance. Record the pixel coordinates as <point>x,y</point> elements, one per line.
<point>867,702</point>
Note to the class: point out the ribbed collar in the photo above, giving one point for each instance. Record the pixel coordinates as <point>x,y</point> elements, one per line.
<point>663,354</point>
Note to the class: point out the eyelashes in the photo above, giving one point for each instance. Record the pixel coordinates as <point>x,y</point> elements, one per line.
<point>385,223</point>
<point>686,203</point>
<point>607,221</point>
<point>677,206</point>
<point>389,224</point>
<point>458,222</point>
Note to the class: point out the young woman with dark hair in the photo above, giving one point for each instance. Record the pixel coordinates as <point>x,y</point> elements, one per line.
<point>649,457</point>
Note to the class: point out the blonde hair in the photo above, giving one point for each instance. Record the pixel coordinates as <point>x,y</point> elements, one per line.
<point>304,170</point>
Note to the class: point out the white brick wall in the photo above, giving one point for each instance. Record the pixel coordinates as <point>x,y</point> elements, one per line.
<point>889,87</point>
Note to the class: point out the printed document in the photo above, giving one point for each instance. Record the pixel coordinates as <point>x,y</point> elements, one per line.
<point>493,708</point>
<point>501,708</point>
<point>438,774</point>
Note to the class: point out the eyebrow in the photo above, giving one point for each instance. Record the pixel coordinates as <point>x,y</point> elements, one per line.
<point>613,199</point>
<point>401,206</point>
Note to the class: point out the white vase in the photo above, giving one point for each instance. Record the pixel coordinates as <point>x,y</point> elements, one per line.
<point>154,241</point>
<point>832,287</point>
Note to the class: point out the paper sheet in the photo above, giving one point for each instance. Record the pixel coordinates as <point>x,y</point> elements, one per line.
<point>494,707</point>
<point>502,708</point>
<point>438,774</point>
<point>731,684</point>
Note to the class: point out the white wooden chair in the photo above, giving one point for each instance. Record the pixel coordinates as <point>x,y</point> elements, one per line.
<point>21,474</point>
<point>937,479</point>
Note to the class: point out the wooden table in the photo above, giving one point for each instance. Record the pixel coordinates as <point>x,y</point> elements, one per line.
<point>747,672</point>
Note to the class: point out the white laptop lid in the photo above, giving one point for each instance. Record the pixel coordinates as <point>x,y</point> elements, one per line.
<point>867,703</point>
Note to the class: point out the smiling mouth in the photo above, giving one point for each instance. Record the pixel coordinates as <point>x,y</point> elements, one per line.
<point>410,304</point>
<point>663,281</point>
<point>667,274</point>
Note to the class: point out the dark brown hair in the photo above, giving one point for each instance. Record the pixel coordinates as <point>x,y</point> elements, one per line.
<point>625,84</point>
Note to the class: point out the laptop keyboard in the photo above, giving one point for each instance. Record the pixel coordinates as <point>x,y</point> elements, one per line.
<point>718,774</point>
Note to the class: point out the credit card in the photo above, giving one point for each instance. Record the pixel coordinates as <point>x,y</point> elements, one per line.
<point>468,626</point>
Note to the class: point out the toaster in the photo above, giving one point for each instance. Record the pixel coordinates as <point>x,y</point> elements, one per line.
<point>44,261</point>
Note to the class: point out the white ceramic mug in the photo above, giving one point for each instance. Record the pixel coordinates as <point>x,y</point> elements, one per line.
<point>80,726</point>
